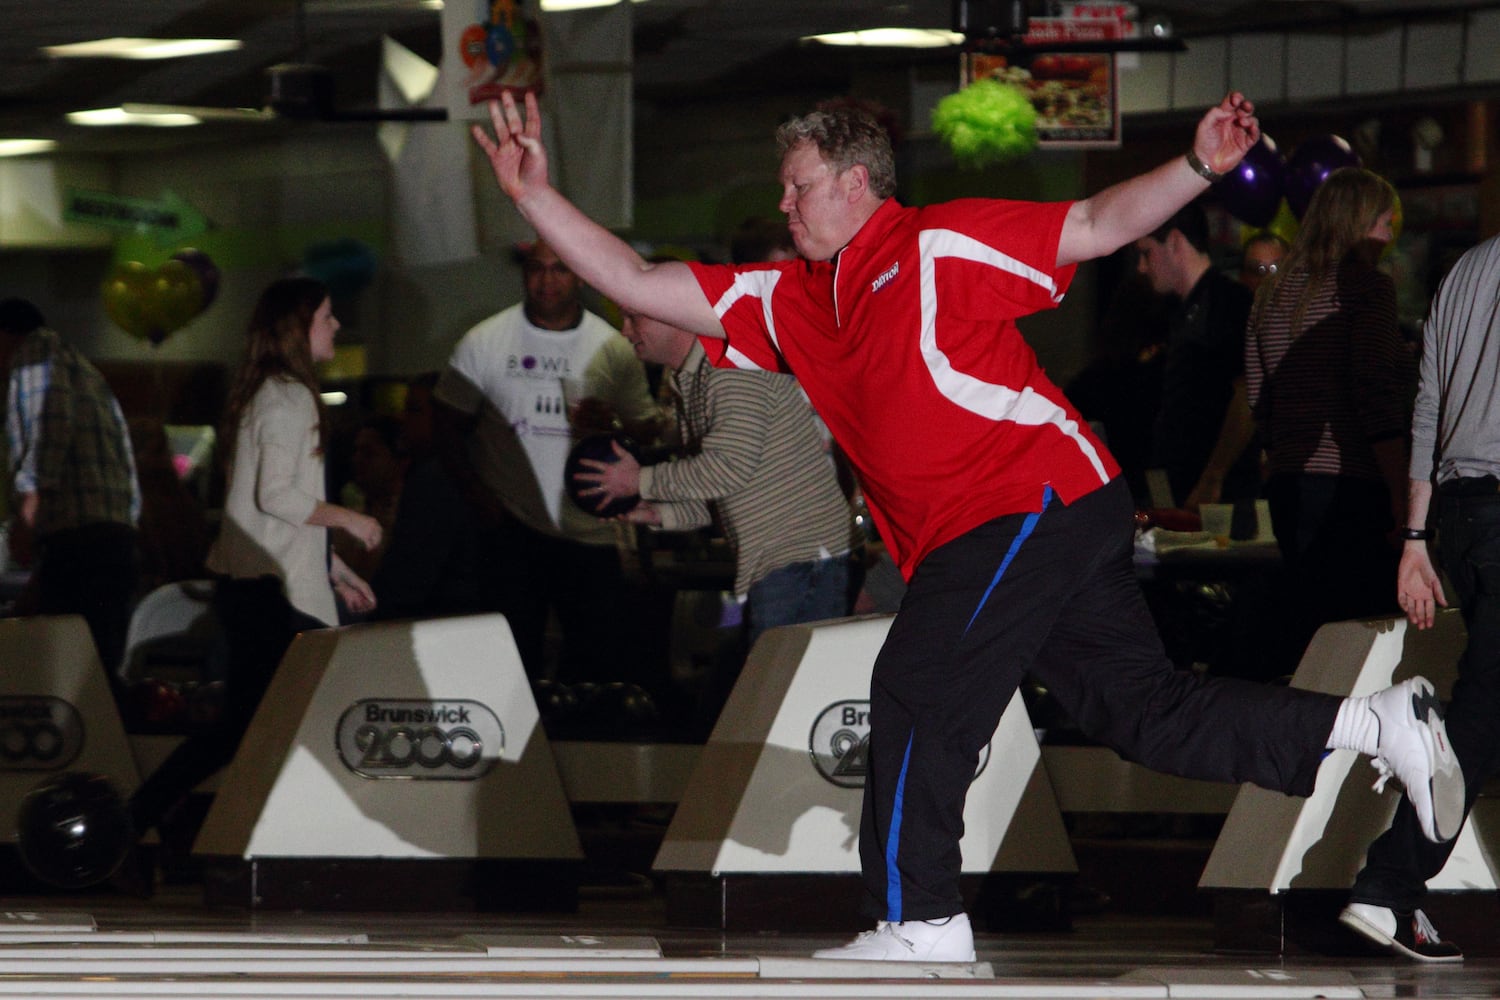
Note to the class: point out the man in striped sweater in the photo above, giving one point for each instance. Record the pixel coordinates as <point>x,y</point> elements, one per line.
<point>753,450</point>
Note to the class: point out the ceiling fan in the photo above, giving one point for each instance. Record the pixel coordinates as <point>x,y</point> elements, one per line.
<point>1001,26</point>
<point>298,91</point>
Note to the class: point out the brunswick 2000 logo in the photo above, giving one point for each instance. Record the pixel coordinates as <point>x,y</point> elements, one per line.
<point>453,739</point>
<point>840,744</point>
<point>38,733</point>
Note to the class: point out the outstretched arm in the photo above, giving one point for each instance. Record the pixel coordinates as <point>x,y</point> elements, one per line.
<point>666,291</point>
<point>1131,209</point>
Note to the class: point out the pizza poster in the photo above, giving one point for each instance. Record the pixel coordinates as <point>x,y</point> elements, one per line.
<point>1076,94</point>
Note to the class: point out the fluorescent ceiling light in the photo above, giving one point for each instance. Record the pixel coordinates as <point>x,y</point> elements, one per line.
<point>119,116</point>
<point>142,48</point>
<point>554,6</point>
<point>902,38</point>
<point>334,398</point>
<point>25,147</point>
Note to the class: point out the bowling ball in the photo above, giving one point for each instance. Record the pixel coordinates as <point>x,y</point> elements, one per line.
<point>556,702</point>
<point>73,831</point>
<point>599,447</point>
<point>619,710</point>
<point>635,704</point>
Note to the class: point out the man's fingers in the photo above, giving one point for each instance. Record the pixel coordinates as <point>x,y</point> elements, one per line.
<point>513,124</point>
<point>533,116</point>
<point>483,138</point>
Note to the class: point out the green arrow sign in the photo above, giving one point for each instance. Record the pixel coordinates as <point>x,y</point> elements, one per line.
<point>168,220</point>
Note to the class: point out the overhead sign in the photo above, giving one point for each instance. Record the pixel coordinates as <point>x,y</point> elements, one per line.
<point>1076,93</point>
<point>169,219</point>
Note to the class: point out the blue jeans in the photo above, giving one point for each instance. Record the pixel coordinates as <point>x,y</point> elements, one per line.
<point>801,592</point>
<point>1401,860</point>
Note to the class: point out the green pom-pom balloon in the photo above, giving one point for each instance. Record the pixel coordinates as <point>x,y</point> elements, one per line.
<point>987,122</point>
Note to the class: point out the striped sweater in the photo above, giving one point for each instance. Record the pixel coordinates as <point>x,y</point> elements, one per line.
<point>1324,392</point>
<point>753,448</point>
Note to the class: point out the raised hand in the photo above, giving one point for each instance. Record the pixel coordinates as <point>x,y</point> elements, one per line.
<point>516,153</point>
<point>1226,132</point>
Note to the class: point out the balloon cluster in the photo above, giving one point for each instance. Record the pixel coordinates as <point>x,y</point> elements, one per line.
<point>153,303</point>
<point>1270,192</point>
<point>1253,192</point>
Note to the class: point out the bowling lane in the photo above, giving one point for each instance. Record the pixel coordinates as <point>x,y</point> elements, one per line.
<point>103,944</point>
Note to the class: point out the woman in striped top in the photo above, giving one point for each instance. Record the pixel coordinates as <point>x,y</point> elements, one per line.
<point>1330,382</point>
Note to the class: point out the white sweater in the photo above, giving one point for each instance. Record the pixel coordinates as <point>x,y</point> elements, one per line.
<point>274,486</point>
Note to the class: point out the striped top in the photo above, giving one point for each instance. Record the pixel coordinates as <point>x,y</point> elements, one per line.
<point>755,451</point>
<point>1323,393</point>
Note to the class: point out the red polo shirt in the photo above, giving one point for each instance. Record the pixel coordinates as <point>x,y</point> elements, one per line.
<point>907,346</point>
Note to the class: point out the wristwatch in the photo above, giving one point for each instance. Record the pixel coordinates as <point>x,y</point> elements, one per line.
<point>1416,534</point>
<point>1202,169</point>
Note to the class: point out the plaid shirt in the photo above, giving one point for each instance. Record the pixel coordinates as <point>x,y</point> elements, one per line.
<point>68,439</point>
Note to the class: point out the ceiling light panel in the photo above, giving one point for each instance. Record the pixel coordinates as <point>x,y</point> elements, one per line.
<point>142,48</point>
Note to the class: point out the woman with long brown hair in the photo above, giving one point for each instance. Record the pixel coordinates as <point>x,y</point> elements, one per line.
<point>276,518</point>
<point>1330,382</point>
<point>277,574</point>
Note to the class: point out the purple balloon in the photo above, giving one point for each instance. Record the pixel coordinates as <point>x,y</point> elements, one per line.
<point>1252,191</point>
<point>204,267</point>
<point>1310,165</point>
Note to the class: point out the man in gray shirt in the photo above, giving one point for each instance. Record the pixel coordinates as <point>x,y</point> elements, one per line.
<point>1455,445</point>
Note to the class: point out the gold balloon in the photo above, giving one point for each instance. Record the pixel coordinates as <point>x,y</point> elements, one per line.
<point>150,304</point>
<point>174,296</point>
<point>124,295</point>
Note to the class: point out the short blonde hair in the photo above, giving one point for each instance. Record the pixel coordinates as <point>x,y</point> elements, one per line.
<point>845,137</point>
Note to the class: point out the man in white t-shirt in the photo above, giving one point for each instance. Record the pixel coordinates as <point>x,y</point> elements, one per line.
<point>522,386</point>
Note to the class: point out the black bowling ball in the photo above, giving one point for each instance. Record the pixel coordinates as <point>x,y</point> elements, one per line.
<point>598,447</point>
<point>556,702</point>
<point>619,710</point>
<point>73,831</point>
<point>635,704</point>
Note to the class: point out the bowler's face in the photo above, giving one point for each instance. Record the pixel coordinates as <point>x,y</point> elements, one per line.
<point>817,213</point>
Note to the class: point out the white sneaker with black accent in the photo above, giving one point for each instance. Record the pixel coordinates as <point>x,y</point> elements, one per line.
<point>1413,746</point>
<point>1410,934</point>
<point>949,939</point>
